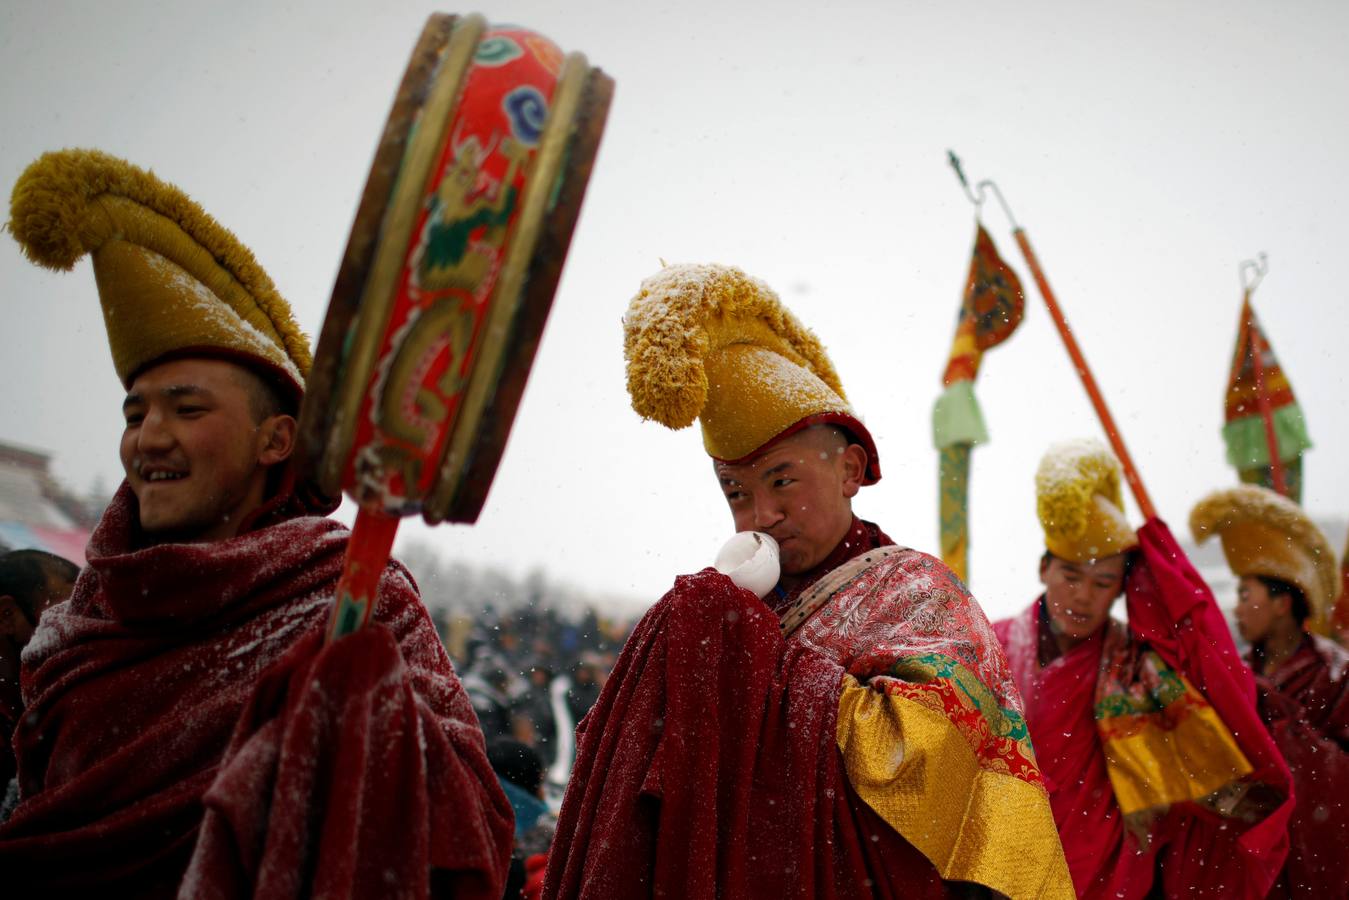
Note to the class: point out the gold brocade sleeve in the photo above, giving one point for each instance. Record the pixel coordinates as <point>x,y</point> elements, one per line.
<point>947,788</point>
<point>1181,752</point>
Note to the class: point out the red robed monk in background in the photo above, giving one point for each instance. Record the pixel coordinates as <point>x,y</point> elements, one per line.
<point>856,733</point>
<point>186,731</point>
<point>1162,779</point>
<point>1287,584</point>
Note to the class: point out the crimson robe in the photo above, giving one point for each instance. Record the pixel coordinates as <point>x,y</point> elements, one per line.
<point>188,733</point>
<point>1305,703</point>
<point>1188,849</point>
<point>717,761</point>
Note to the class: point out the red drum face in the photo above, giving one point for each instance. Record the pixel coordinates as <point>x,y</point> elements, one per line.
<point>443,313</point>
<point>469,211</point>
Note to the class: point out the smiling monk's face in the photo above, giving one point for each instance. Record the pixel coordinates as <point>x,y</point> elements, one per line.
<point>200,437</point>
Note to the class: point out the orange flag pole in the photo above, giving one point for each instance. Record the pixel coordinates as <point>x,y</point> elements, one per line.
<point>1070,343</point>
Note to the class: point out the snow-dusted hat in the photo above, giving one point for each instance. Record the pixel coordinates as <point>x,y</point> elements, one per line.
<point>708,342</point>
<point>1078,498</point>
<point>173,283</point>
<point>1265,533</point>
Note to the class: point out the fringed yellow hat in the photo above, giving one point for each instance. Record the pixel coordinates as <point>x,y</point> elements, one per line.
<point>1265,533</point>
<point>1077,494</point>
<point>708,342</point>
<point>172,281</point>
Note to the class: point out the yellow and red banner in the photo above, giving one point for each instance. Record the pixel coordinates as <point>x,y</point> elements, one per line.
<point>990,311</point>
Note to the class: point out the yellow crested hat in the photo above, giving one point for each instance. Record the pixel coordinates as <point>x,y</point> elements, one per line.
<point>171,280</point>
<point>1077,495</point>
<point>1265,533</point>
<point>708,342</point>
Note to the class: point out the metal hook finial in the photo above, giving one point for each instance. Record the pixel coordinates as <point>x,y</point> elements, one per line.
<point>960,173</point>
<point>1257,268</point>
<point>980,192</point>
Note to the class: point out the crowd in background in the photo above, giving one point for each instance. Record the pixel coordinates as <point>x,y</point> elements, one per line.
<point>533,673</point>
<point>532,653</point>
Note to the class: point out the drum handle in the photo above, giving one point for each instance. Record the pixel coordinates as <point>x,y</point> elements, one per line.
<point>368,551</point>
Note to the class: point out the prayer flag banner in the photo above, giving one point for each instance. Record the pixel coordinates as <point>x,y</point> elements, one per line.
<point>990,311</point>
<point>1257,377</point>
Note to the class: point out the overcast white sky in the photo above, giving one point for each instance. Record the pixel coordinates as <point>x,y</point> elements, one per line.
<point>1147,148</point>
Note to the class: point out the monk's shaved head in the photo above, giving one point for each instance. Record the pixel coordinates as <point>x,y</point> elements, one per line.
<point>830,439</point>
<point>264,400</point>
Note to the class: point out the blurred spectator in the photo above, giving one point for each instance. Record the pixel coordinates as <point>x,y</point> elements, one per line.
<point>532,720</point>
<point>587,682</point>
<point>30,582</point>
<point>487,682</point>
<point>520,770</point>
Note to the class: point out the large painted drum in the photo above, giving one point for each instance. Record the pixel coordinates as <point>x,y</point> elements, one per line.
<point>451,268</point>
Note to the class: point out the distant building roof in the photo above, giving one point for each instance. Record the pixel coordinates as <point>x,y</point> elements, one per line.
<point>36,511</point>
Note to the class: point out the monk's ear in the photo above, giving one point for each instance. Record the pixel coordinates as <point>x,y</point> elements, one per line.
<point>1283,604</point>
<point>276,439</point>
<point>853,461</point>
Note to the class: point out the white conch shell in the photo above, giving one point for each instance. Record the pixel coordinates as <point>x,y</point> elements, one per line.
<point>750,559</point>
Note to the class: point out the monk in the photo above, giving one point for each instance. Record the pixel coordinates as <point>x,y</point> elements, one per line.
<point>187,732</point>
<point>1160,777</point>
<point>855,733</point>
<point>1287,583</point>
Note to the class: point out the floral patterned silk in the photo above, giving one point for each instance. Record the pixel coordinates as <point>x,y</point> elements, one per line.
<point>931,725</point>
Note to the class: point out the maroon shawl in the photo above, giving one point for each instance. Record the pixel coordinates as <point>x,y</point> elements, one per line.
<point>709,766</point>
<point>1305,703</point>
<point>164,727</point>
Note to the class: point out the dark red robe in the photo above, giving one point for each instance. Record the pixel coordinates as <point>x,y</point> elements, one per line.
<point>1305,703</point>
<point>187,733</point>
<point>710,768</point>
